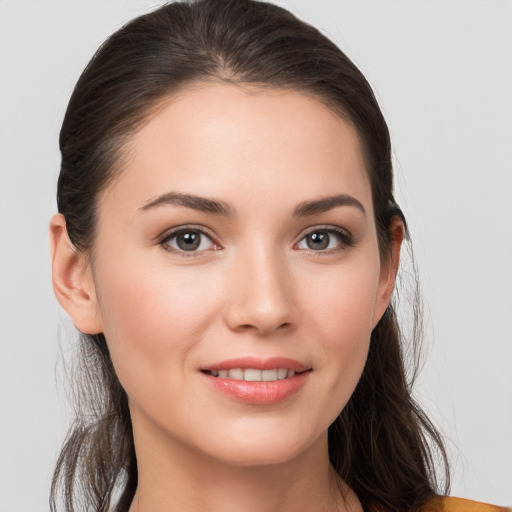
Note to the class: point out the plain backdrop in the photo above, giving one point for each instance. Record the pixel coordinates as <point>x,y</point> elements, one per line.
<point>442,72</point>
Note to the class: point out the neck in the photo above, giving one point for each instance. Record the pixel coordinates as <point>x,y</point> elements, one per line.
<point>174,477</point>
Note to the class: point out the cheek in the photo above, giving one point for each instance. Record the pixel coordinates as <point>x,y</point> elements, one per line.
<point>343,302</point>
<point>340,313</point>
<point>152,318</point>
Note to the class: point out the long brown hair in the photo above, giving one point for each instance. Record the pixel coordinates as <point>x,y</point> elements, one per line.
<point>381,444</point>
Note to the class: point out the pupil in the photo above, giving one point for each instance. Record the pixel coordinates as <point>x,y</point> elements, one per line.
<point>318,240</point>
<point>188,241</point>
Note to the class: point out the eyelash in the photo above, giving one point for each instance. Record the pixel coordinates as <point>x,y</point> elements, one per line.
<point>164,242</point>
<point>345,238</point>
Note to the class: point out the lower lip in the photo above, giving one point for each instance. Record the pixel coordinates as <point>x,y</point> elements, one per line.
<point>258,393</point>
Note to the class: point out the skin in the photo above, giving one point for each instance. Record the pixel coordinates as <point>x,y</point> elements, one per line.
<point>254,288</point>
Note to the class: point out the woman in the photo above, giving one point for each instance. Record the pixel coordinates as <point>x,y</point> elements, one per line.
<point>227,242</point>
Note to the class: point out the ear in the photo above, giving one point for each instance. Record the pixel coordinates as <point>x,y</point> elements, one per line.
<point>389,269</point>
<point>72,279</point>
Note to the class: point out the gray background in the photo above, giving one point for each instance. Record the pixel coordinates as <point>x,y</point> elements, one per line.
<point>442,71</point>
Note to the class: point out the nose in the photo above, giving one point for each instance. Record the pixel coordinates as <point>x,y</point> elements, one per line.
<point>260,295</point>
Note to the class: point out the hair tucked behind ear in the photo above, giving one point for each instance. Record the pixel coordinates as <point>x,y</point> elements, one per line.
<point>381,444</point>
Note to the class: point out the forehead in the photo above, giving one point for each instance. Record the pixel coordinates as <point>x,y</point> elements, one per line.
<point>245,144</point>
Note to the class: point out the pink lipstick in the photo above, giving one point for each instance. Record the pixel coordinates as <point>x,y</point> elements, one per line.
<point>257,381</point>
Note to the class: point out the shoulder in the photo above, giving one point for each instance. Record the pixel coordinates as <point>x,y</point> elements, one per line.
<point>449,504</point>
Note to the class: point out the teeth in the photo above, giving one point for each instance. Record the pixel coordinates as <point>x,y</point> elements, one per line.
<point>236,373</point>
<point>253,374</point>
<point>267,375</point>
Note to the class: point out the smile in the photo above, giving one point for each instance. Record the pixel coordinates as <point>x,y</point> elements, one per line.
<point>253,374</point>
<point>257,381</point>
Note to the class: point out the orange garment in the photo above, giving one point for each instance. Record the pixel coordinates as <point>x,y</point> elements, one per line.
<point>448,504</point>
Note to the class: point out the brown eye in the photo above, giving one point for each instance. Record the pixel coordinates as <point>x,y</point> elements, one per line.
<point>326,240</point>
<point>318,241</point>
<point>188,240</point>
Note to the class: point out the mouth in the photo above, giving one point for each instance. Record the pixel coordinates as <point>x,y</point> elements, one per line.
<point>255,374</point>
<point>258,381</point>
<point>252,369</point>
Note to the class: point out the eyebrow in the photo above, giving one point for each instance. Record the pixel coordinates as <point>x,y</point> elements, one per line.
<point>202,204</point>
<point>208,205</point>
<point>325,204</point>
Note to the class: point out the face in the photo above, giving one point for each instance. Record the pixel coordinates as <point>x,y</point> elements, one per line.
<point>237,272</point>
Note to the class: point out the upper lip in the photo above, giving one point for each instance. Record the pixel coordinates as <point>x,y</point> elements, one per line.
<point>258,363</point>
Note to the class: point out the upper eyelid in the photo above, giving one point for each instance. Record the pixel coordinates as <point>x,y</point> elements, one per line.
<point>169,233</point>
<point>325,227</point>
<point>331,228</point>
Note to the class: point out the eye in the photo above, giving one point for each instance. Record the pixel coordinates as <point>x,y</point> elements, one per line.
<point>326,240</point>
<point>187,240</point>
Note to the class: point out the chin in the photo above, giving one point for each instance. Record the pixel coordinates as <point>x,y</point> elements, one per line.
<point>266,447</point>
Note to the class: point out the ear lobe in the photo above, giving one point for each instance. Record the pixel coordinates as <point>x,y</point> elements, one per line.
<point>389,269</point>
<point>72,279</point>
